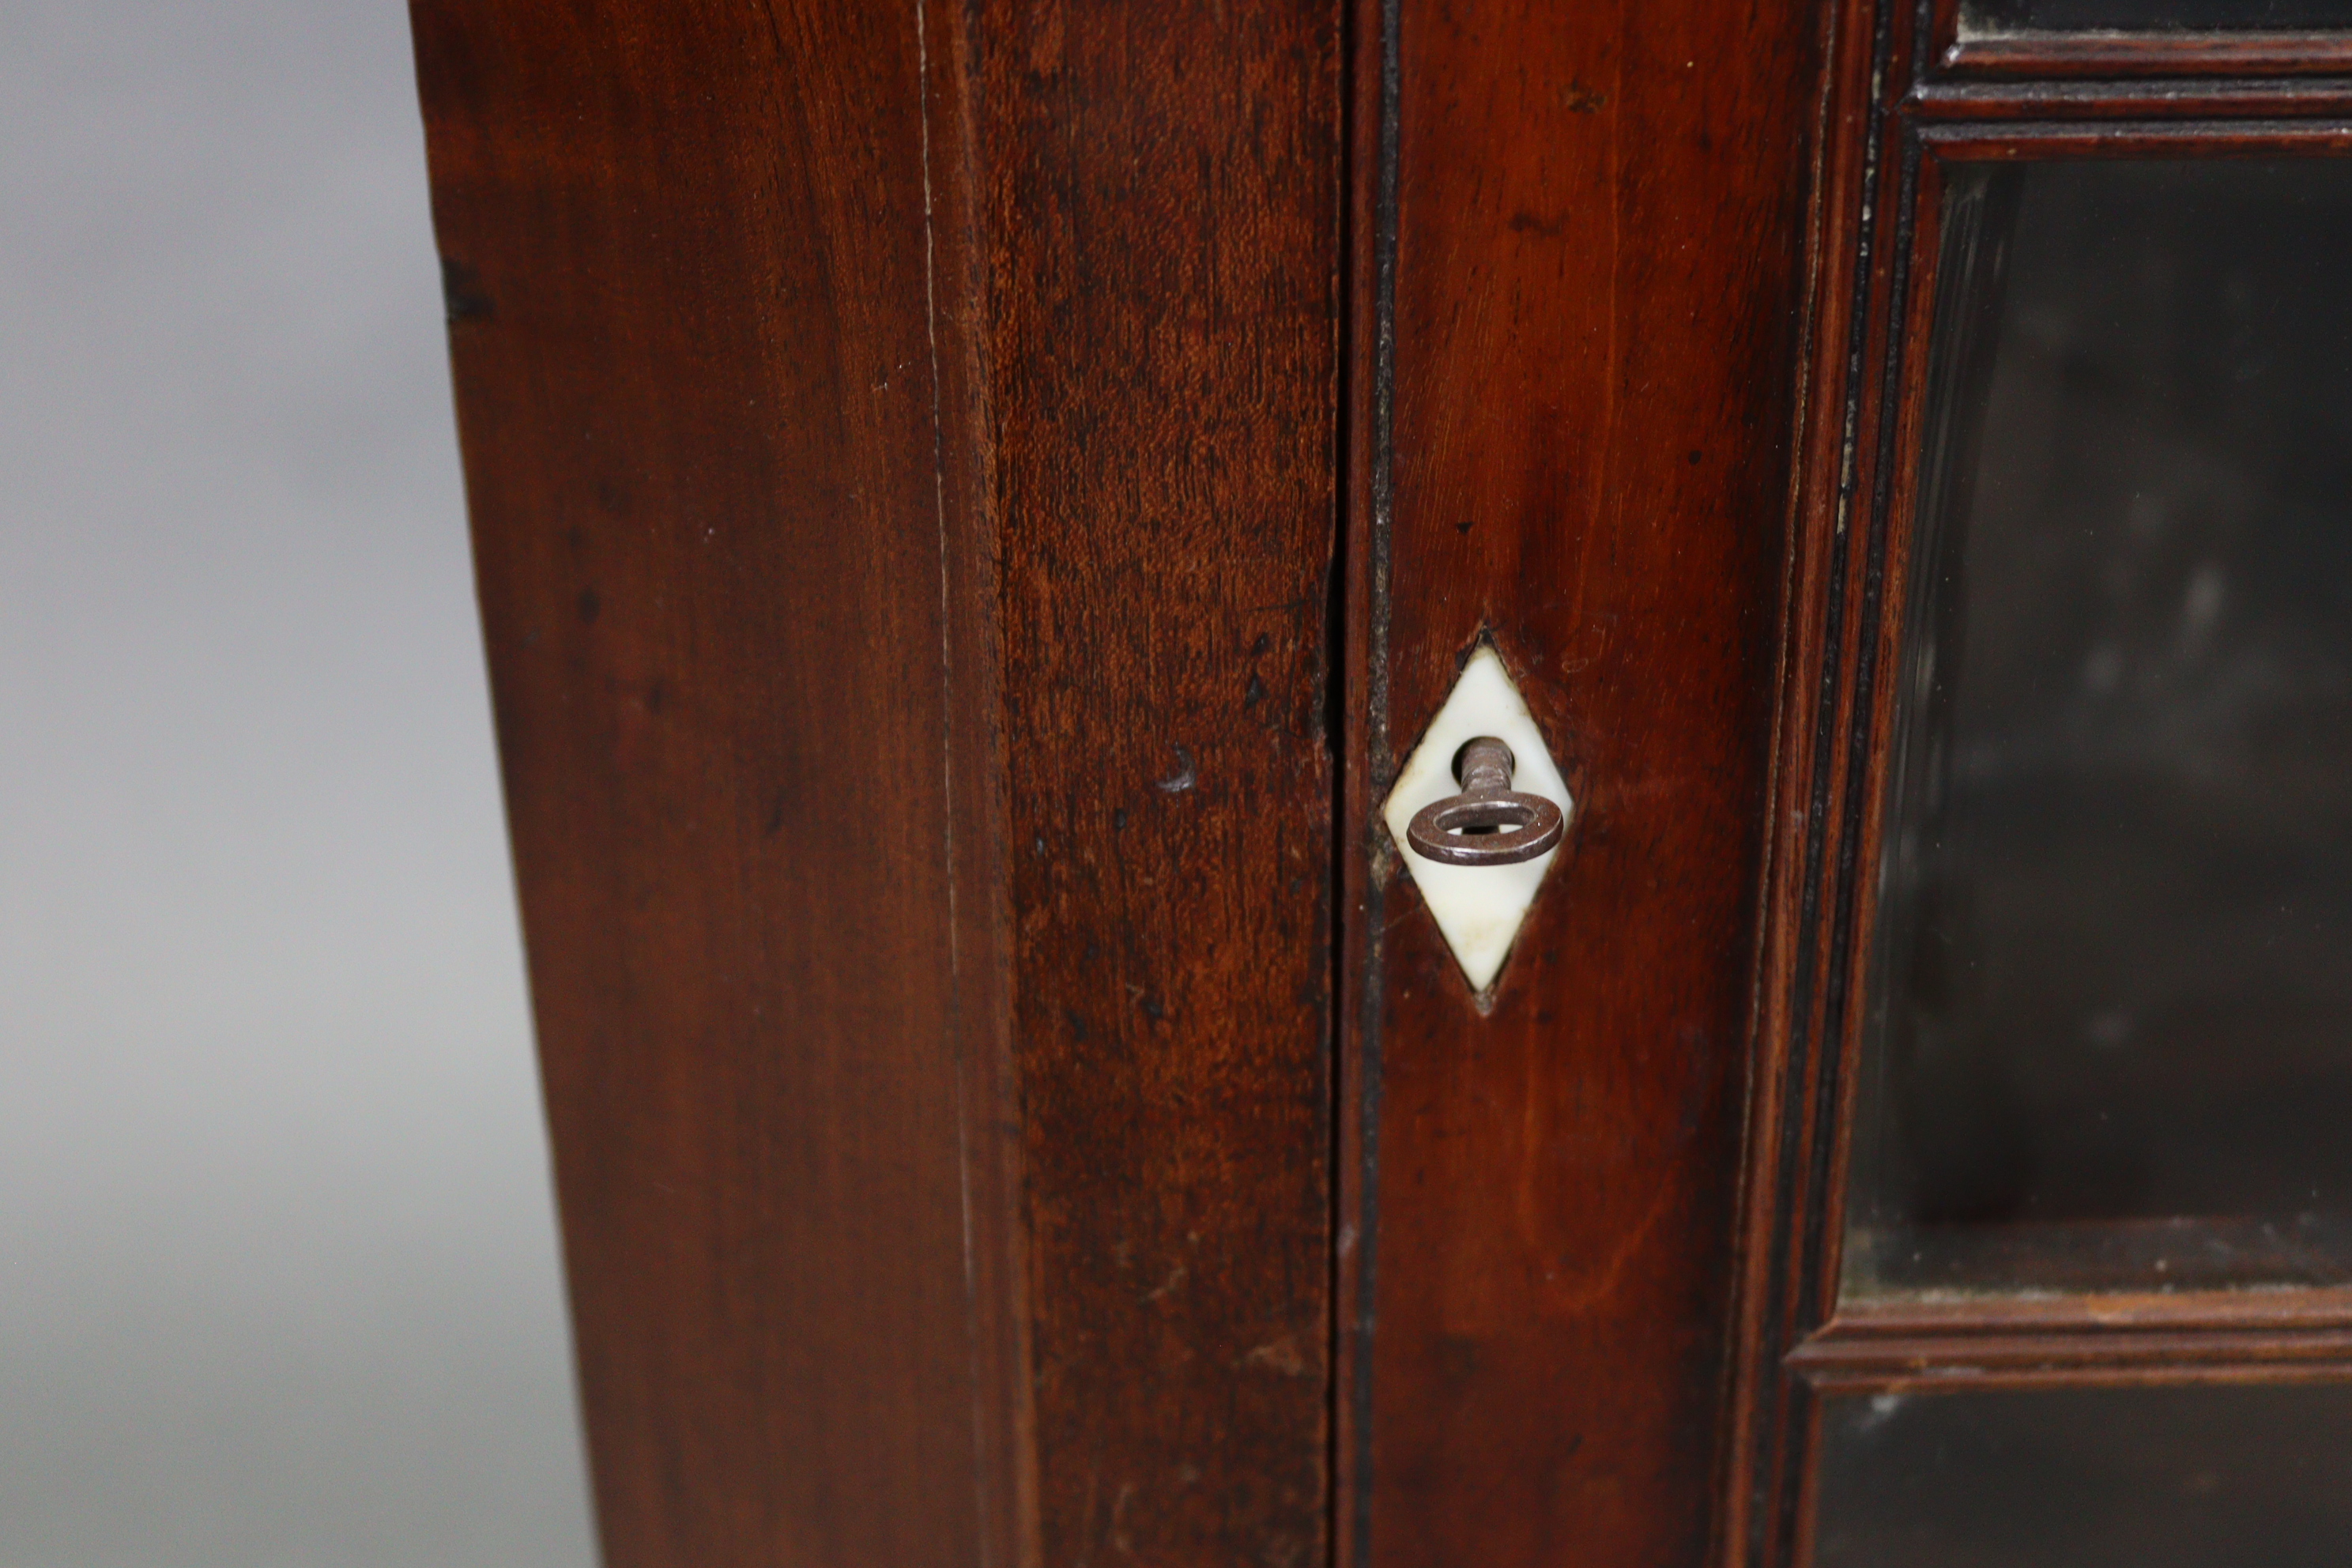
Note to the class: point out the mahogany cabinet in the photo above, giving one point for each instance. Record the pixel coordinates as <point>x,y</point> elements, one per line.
<point>988,519</point>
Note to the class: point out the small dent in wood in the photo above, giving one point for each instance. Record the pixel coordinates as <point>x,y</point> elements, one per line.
<point>1185,776</point>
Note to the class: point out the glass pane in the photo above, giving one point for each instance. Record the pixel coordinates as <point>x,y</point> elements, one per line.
<point>1980,17</point>
<point>2110,1040</point>
<point>2199,1477</point>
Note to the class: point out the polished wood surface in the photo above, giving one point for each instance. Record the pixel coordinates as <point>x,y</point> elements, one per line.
<point>1161,197</point>
<point>690,332</point>
<point>900,448</point>
<point>1592,321</point>
<point>972,506</point>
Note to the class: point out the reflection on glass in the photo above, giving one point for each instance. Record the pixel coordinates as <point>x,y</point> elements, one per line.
<point>2198,1476</point>
<point>1980,17</point>
<point>2110,1030</point>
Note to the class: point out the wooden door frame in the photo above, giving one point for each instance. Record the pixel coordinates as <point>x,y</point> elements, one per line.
<point>1940,101</point>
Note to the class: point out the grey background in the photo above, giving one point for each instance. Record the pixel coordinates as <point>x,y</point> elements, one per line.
<point>278,1271</point>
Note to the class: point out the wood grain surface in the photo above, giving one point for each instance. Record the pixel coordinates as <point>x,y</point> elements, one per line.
<point>900,444</point>
<point>1163,194</point>
<point>1595,310</point>
<point>690,331</point>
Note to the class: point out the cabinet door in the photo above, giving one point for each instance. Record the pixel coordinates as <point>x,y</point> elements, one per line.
<point>1582,311</point>
<point>2067,1258</point>
<point>1902,454</point>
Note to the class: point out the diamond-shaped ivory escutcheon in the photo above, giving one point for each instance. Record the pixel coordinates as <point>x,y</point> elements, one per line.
<point>1479,907</point>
